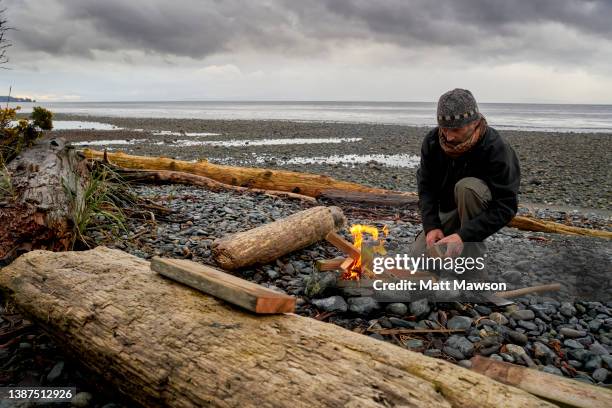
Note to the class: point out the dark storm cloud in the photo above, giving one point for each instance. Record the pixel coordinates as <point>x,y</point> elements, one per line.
<point>199,28</point>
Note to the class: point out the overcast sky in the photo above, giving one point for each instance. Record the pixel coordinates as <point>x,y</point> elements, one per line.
<point>556,51</point>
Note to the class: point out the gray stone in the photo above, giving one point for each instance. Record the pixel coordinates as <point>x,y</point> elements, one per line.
<point>272,274</point>
<point>572,333</point>
<point>377,336</point>
<point>595,325</point>
<point>397,308</point>
<point>598,349</point>
<point>462,344</point>
<point>512,276</point>
<point>542,352</point>
<point>523,315</point>
<point>571,343</point>
<point>600,375</point>
<point>515,350</point>
<point>419,308</point>
<point>414,343</point>
<point>567,309</point>
<point>593,363</point>
<point>552,370</point>
<point>331,304</point>
<point>55,372</point>
<point>81,400</point>
<point>465,363</point>
<point>498,318</point>
<point>454,353</point>
<point>402,323</point>
<point>528,325</point>
<point>363,305</point>
<point>433,352</point>
<point>459,323</point>
<point>318,283</point>
<point>517,338</point>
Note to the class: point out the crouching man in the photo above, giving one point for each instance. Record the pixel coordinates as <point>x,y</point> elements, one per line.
<point>468,179</point>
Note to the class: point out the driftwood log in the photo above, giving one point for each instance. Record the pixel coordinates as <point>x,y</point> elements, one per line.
<point>270,241</point>
<point>46,185</point>
<point>311,185</point>
<point>561,390</point>
<point>166,345</point>
<point>303,183</point>
<point>178,177</point>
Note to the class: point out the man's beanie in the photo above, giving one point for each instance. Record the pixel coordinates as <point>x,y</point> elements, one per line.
<point>457,108</point>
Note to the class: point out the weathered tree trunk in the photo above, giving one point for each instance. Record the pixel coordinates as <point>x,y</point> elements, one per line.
<point>303,183</point>
<point>270,241</point>
<point>166,345</point>
<point>179,177</point>
<point>46,181</point>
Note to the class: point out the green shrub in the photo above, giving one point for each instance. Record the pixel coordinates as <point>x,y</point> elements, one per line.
<point>43,118</point>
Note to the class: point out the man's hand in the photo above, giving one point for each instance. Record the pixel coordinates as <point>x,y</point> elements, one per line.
<point>454,245</point>
<point>433,236</point>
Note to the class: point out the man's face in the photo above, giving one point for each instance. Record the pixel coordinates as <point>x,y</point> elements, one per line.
<point>459,135</point>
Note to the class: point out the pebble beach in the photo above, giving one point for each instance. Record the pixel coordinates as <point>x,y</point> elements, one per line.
<point>566,177</point>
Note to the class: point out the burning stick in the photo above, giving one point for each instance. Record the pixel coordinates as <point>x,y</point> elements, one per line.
<point>343,245</point>
<point>323,265</point>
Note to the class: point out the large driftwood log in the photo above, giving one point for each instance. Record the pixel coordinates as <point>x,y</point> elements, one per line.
<point>179,177</point>
<point>270,241</point>
<point>303,183</point>
<point>163,344</point>
<point>46,183</point>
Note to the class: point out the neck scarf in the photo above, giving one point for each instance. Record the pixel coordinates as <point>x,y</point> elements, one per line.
<point>455,151</point>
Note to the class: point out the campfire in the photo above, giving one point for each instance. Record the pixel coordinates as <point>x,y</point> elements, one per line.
<point>353,266</point>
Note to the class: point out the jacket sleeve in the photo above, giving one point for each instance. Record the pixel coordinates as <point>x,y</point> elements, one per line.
<point>427,181</point>
<point>503,181</point>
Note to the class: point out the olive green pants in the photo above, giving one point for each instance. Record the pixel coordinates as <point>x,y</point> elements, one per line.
<point>471,197</point>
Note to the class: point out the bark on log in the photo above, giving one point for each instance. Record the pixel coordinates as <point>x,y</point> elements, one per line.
<point>165,345</point>
<point>39,212</point>
<point>178,177</point>
<point>270,241</point>
<point>303,183</point>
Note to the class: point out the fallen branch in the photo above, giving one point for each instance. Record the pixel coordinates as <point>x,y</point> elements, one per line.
<point>416,331</point>
<point>177,177</point>
<point>532,289</point>
<point>532,224</point>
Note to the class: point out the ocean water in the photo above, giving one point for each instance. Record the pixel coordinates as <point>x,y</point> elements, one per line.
<point>509,116</point>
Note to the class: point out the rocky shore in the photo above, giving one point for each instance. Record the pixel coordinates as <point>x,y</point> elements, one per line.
<point>566,338</point>
<point>563,169</point>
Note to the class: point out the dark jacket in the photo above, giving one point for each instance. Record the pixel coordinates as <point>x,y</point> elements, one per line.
<point>491,160</point>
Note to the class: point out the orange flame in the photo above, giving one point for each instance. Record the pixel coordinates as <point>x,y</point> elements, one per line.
<point>354,272</point>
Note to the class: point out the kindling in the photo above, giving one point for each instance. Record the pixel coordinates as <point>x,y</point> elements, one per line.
<point>414,263</point>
